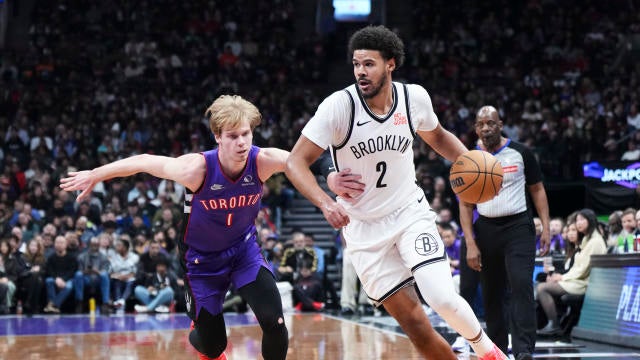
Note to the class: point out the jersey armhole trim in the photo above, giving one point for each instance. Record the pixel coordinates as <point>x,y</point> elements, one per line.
<point>353,111</point>
<point>406,102</point>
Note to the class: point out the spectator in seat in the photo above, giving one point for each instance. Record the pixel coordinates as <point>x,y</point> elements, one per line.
<point>8,276</point>
<point>615,230</point>
<point>148,261</point>
<point>123,272</point>
<point>289,269</point>
<point>627,236</point>
<point>60,270</point>
<point>156,293</point>
<point>574,281</point>
<point>93,271</point>
<point>33,282</point>
<point>308,292</point>
<point>557,245</point>
<point>309,240</point>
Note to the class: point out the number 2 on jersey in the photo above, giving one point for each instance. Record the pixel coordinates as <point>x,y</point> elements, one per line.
<point>381,167</point>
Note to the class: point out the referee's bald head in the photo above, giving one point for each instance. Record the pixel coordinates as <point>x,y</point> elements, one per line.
<point>487,111</point>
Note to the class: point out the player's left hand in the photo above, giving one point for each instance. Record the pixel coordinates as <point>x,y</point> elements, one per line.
<point>345,184</point>
<point>79,180</point>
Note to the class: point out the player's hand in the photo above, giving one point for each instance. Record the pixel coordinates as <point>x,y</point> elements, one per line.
<point>335,214</point>
<point>545,242</point>
<point>79,180</point>
<point>473,257</point>
<point>345,184</point>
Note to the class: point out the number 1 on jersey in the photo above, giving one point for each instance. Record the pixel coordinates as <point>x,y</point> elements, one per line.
<point>229,219</point>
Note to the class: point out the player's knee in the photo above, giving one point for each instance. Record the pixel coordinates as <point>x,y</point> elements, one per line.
<point>273,323</point>
<point>443,304</point>
<point>269,318</point>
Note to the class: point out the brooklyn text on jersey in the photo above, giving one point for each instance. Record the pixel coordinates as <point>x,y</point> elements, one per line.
<point>381,143</point>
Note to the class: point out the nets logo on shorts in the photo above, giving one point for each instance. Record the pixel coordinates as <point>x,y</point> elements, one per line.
<point>426,244</point>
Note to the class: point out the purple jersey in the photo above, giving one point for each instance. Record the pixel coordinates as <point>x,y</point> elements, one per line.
<point>219,246</point>
<point>222,212</point>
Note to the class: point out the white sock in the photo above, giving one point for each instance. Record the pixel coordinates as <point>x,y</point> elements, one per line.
<point>481,344</point>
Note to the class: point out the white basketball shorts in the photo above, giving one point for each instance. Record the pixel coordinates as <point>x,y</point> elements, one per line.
<point>387,250</point>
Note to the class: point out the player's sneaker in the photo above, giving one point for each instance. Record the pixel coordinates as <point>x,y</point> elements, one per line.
<point>494,354</point>
<point>205,357</point>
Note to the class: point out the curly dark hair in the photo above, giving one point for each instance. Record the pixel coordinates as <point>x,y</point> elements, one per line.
<point>378,38</point>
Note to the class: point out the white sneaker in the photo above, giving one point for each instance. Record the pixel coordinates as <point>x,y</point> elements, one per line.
<point>460,345</point>
<point>427,309</point>
<point>118,303</point>
<point>162,309</point>
<point>141,308</point>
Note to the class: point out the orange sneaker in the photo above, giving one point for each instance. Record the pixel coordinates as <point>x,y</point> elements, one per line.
<point>494,354</point>
<point>205,357</point>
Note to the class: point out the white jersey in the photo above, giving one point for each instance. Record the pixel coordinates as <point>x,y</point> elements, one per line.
<point>380,148</point>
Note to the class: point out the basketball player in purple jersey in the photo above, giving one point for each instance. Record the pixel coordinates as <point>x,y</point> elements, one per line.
<point>219,246</point>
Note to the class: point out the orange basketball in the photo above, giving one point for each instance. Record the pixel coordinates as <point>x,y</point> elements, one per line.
<point>476,176</point>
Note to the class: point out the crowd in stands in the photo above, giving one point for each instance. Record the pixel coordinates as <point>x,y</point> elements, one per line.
<point>100,81</point>
<point>563,74</point>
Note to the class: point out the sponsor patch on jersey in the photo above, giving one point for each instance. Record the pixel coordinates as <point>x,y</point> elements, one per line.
<point>399,119</point>
<point>247,180</point>
<point>510,168</point>
<point>426,244</point>
<point>215,187</point>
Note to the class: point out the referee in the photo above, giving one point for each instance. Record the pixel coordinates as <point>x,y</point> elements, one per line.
<point>504,247</point>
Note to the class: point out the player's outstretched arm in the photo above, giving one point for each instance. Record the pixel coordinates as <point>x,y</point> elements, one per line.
<point>187,170</point>
<point>443,142</point>
<point>271,161</point>
<point>304,153</point>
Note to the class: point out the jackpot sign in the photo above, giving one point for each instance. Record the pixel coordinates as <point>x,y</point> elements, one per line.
<point>626,175</point>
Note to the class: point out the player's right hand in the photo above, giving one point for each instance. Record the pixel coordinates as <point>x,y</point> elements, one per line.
<point>79,180</point>
<point>335,214</point>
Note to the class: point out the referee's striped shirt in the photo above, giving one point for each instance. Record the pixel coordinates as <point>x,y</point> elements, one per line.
<point>520,169</point>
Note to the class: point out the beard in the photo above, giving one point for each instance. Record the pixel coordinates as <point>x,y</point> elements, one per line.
<point>374,88</point>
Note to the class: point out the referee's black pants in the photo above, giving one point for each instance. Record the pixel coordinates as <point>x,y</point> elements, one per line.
<point>508,248</point>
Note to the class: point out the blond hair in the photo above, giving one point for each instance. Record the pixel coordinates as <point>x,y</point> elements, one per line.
<point>229,111</point>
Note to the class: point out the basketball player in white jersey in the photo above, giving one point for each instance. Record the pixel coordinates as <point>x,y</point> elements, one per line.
<point>389,227</point>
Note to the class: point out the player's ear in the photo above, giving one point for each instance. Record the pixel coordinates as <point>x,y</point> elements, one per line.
<point>391,64</point>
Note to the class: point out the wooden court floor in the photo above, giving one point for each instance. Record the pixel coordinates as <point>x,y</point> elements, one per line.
<point>312,336</point>
<point>164,337</point>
